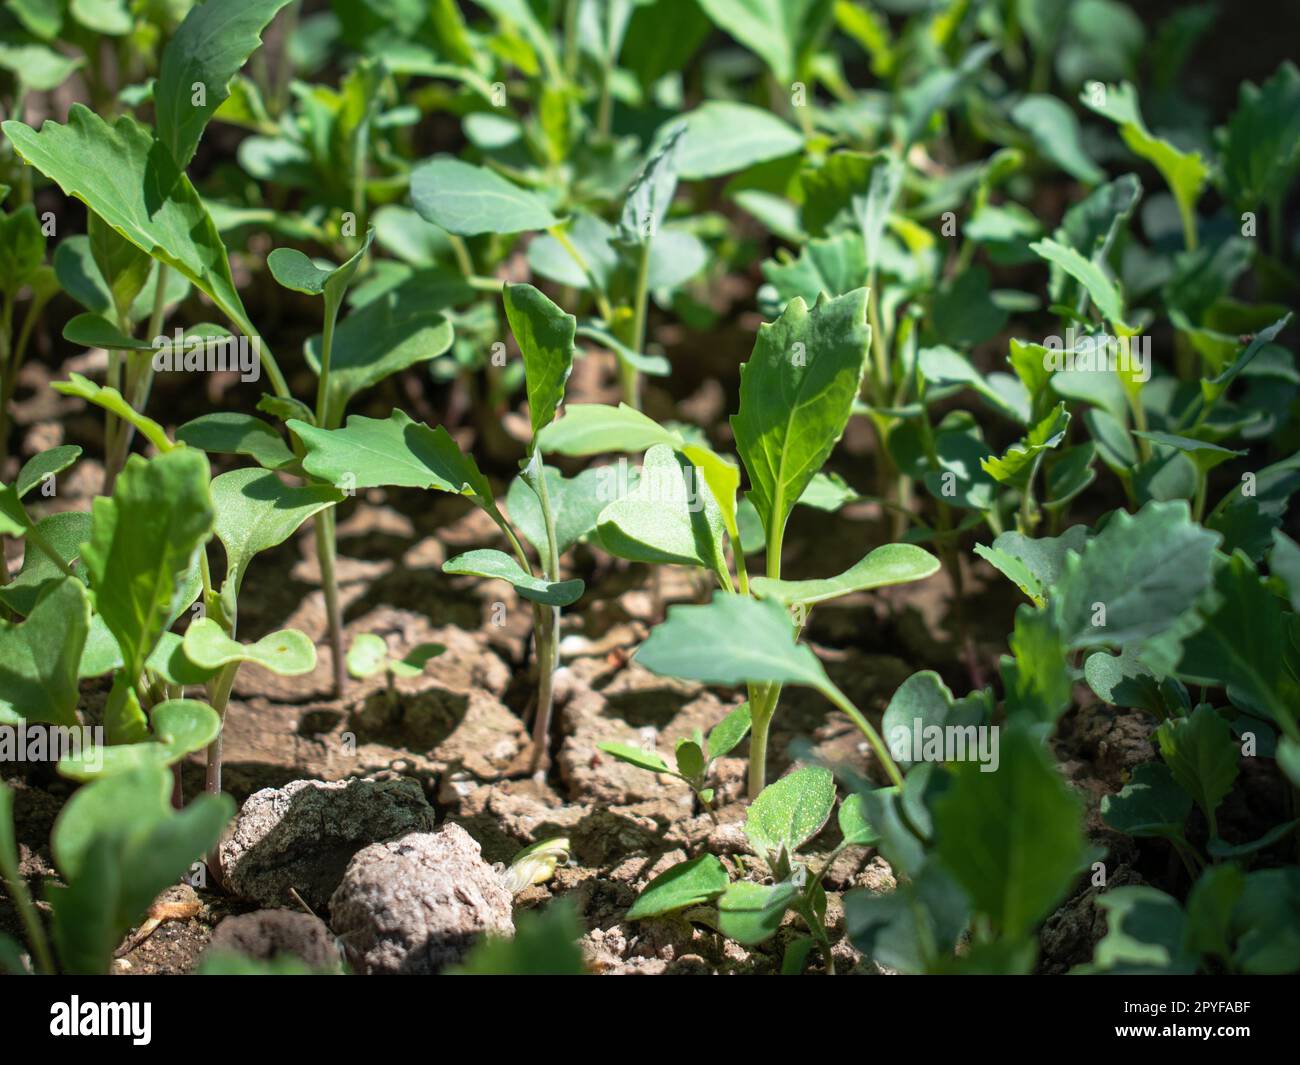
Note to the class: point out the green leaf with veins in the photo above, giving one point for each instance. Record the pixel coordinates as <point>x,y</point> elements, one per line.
<point>780,32</point>
<point>384,337</point>
<point>38,679</point>
<point>790,811</point>
<point>63,533</point>
<point>751,913</point>
<point>231,433</point>
<point>180,727</point>
<point>1201,754</point>
<point>886,565</point>
<point>650,761</point>
<point>576,503</point>
<point>149,200</point>
<point>1145,569</point>
<point>544,333</point>
<point>669,517</point>
<point>392,452</point>
<point>796,395</point>
<point>49,462</point>
<point>1016,466</point>
<point>143,543</point>
<point>468,200</point>
<point>1185,172</point>
<point>110,399</point>
<point>1242,643</point>
<point>288,652</point>
<point>726,137</point>
<point>1029,828</point>
<point>500,566</point>
<point>651,193</point>
<point>692,883</point>
<point>731,640</point>
<point>256,511</point>
<point>208,49</point>
<point>727,733</point>
<point>1152,803</point>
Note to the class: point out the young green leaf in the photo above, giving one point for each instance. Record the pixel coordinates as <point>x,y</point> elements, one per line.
<point>1013,839</point>
<point>692,883</point>
<point>796,395</point>
<point>143,543</point>
<point>1150,804</point>
<point>669,517</point>
<point>1184,172</point>
<point>727,733</point>
<point>732,640</point>
<point>150,201</point>
<point>180,727</point>
<point>392,452</point>
<point>256,511</point>
<point>1135,577</point>
<point>726,137</point>
<point>110,399</point>
<point>751,913</point>
<point>789,812</point>
<point>288,652</point>
<point>887,565</point>
<point>232,433</point>
<point>544,334</point>
<point>41,655</point>
<point>650,761</point>
<point>499,565</point>
<point>576,503</point>
<point>1202,757</point>
<point>594,428</point>
<point>48,463</point>
<point>208,48</point>
<point>468,200</point>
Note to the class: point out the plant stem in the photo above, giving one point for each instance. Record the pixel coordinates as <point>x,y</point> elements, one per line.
<point>873,737</point>
<point>760,722</point>
<point>22,901</point>
<point>547,634</point>
<point>636,340</point>
<point>326,527</point>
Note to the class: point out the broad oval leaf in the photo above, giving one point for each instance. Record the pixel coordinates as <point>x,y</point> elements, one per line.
<point>287,652</point>
<point>180,727</point>
<point>789,812</point>
<point>468,200</point>
<point>732,640</point>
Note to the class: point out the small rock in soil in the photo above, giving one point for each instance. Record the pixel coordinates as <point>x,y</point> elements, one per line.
<point>265,935</point>
<point>418,904</point>
<point>303,835</point>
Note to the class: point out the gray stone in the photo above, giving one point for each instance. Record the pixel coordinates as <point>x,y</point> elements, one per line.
<point>419,903</point>
<point>303,835</point>
<point>265,935</point>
